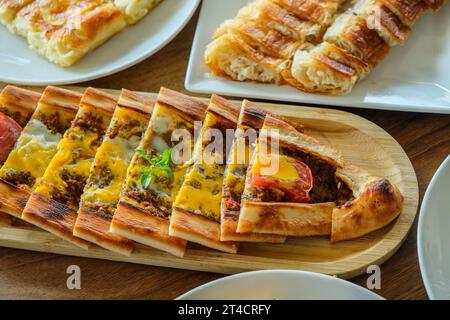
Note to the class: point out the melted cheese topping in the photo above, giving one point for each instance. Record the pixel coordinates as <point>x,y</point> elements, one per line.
<point>33,151</point>
<point>237,167</point>
<point>111,163</point>
<point>76,152</point>
<point>202,189</point>
<point>163,123</point>
<point>277,166</point>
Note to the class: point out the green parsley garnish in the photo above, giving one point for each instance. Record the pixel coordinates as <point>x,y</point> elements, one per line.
<point>157,165</point>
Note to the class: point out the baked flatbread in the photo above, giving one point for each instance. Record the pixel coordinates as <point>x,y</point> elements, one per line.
<point>250,122</point>
<point>290,187</point>
<point>35,148</point>
<point>196,210</point>
<point>54,203</point>
<point>375,203</point>
<point>145,207</point>
<point>16,107</point>
<point>107,175</point>
<point>19,104</point>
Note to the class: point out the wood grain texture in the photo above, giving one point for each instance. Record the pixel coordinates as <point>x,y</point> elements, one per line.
<point>32,275</point>
<point>363,144</point>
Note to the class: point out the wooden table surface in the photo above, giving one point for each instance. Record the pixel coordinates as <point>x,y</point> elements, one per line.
<point>29,275</point>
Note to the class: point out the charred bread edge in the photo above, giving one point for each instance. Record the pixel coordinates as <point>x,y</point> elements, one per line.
<point>188,106</point>
<point>199,229</point>
<point>41,211</point>
<point>150,229</point>
<point>265,217</point>
<point>101,221</point>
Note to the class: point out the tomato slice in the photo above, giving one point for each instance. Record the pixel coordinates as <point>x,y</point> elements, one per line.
<point>297,189</point>
<point>9,133</point>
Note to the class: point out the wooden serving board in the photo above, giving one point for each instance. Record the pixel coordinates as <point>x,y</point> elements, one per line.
<point>363,144</point>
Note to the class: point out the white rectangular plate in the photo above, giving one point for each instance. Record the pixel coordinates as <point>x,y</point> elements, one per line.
<point>414,77</point>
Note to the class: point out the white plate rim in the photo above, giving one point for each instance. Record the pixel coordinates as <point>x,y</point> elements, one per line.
<point>420,229</point>
<point>192,86</point>
<point>108,72</point>
<point>280,271</point>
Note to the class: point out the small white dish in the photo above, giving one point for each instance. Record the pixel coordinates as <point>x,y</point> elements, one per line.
<point>21,65</point>
<point>433,238</point>
<point>280,285</point>
<point>413,77</point>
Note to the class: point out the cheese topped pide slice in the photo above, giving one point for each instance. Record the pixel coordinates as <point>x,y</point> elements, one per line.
<point>54,204</point>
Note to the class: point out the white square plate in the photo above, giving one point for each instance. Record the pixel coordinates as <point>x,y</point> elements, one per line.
<point>415,77</point>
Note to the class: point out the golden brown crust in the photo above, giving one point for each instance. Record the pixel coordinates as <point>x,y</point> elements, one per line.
<point>93,226</point>
<point>302,29</point>
<point>289,219</point>
<point>13,199</point>
<point>396,28</point>
<point>99,100</point>
<point>60,98</point>
<point>135,223</point>
<point>136,101</point>
<point>228,42</point>
<point>224,109</point>
<point>321,12</point>
<point>371,47</point>
<point>409,11</point>
<point>229,224</point>
<point>53,217</point>
<point>351,33</point>
<point>378,202</point>
<point>196,228</point>
<point>270,41</point>
<point>296,140</point>
<point>252,116</point>
<point>18,103</point>
<point>188,106</point>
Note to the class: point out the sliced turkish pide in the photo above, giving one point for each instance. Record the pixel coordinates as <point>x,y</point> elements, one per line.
<point>107,175</point>
<point>350,32</point>
<point>53,205</point>
<point>250,122</point>
<point>375,203</point>
<point>291,187</point>
<point>19,104</point>
<point>157,172</point>
<point>35,148</point>
<point>196,210</point>
<point>16,107</point>
<point>326,69</point>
